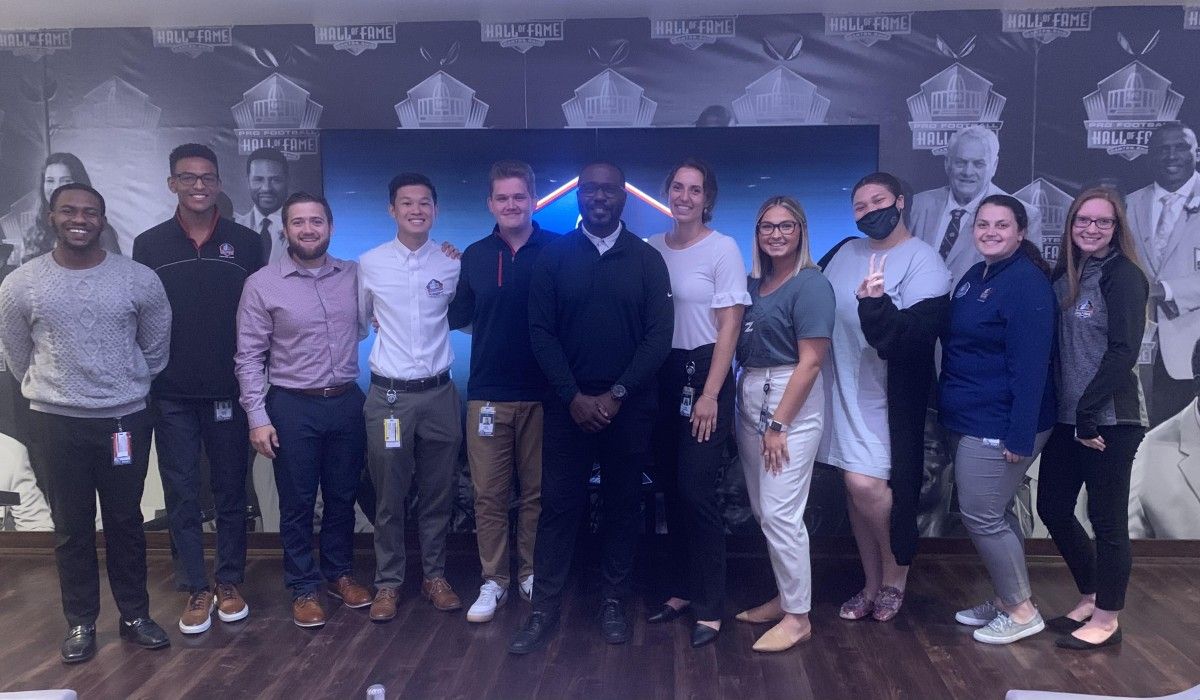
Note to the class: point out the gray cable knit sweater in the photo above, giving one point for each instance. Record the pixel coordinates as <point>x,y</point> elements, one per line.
<point>85,343</point>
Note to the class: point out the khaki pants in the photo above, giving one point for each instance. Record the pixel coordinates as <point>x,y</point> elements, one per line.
<point>515,447</point>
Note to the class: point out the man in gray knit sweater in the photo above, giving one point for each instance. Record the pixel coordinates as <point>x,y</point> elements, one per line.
<point>86,331</point>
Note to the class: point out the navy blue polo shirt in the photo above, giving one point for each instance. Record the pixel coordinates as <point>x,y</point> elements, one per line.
<point>204,285</point>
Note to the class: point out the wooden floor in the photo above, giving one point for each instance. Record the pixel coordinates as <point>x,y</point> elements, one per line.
<point>923,654</point>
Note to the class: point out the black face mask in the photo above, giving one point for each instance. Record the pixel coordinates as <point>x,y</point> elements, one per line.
<point>880,223</point>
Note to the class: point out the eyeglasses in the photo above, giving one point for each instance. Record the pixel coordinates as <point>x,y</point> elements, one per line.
<point>591,189</point>
<point>786,228</point>
<point>1083,222</point>
<point>189,179</point>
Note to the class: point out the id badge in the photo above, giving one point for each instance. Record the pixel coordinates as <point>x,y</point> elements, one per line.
<point>222,411</point>
<point>1149,344</point>
<point>122,448</point>
<point>391,433</point>
<point>685,401</point>
<point>487,421</point>
<point>763,417</point>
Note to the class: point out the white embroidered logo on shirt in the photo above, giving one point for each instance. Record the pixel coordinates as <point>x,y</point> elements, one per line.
<point>1085,309</point>
<point>225,250</point>
<point>434,288</point>
<point>749,327</point>
<point>962,291</point>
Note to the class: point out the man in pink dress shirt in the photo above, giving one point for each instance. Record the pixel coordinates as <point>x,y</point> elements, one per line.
<point>298,326</point>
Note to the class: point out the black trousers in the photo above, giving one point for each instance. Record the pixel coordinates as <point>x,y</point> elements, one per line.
<point>1101,567</point>
<point>689,473</point>
<point>568,453</point>
<point>78,454</point>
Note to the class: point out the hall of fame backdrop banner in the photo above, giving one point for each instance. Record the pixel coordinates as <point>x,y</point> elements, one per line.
<point>1073,96</point>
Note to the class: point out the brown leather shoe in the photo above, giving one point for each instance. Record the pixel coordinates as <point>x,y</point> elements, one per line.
<point>307,611</point>
<point>197,613</point>
<point>351,592</point>
<point>439,592</point>
<point>383,608</point>
<point>231,607</point>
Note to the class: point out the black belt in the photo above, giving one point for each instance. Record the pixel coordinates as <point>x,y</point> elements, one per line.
<point>409,386</point>
<point>326,392</point>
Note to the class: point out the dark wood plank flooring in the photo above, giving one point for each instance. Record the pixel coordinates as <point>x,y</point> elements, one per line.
<point>923,654</point>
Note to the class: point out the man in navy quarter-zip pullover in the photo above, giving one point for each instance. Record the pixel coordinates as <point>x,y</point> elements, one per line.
<point>506,387</point>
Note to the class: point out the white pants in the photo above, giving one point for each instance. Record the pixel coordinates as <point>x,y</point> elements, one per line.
<point>778,500</point>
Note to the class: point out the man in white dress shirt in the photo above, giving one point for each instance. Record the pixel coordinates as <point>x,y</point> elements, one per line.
<point>945,216</point>
<point>267,177</point>
<point>1165,218</point>
<point>412,408</point>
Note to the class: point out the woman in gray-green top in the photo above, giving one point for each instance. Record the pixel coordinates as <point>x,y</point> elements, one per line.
<point>781,406</point>
<point>1102,295</point>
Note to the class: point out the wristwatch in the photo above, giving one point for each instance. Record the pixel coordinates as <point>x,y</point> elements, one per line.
<point>776,426</point>
<point>618,392</point>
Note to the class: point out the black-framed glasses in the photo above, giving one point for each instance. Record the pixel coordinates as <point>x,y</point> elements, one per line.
<point>786,228</point>
<point>591,189</point>
<point>189,179</point>
<point>1104,224</point>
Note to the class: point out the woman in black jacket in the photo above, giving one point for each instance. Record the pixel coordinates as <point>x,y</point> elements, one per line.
<point>1102,295</point>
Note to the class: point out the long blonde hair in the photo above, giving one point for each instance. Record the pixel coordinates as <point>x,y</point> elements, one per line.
<point>761,263</point>
<point>1070,257</point>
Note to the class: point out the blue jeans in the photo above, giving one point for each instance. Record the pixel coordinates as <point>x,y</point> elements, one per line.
<point>181,428</point>
<point>322,442</point>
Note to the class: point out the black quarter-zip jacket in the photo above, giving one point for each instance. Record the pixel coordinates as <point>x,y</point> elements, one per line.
<point>204,285</point>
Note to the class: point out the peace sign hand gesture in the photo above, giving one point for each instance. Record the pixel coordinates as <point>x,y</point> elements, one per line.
<point>872,284</point>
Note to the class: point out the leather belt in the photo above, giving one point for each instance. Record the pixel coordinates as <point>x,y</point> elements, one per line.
<point>326,392</point>
<point>409,386</point>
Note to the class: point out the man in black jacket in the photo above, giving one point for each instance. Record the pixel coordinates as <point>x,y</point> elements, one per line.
<point>202,260</point>
<point>600,322</point>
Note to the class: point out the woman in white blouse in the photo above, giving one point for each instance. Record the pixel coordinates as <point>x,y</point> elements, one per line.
<point>696,395</point>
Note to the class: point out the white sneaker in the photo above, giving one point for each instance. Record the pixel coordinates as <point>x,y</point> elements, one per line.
<point>491,596</point>
<point>977,616</point>
<point>527,588</point>
<point>1005,630</point>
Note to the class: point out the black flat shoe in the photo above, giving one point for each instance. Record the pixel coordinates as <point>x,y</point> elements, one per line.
<point>1064,624</point>
<point>1071,642</point>
<point>534,634</point>
<point>80,644</point>
<point>703,635</point>
<point>666,614</point>
<point>145,633</point>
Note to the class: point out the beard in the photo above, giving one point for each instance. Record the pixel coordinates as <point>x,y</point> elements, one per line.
<point>313,254</point>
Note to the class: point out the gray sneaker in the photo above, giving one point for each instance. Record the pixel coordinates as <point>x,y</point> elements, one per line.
<point>1005,630</point>
<point>977,616</point>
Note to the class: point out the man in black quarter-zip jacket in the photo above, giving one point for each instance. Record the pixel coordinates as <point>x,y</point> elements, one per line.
<point>600,322</point>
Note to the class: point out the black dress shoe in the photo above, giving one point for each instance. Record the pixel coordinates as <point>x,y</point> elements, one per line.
<point>145,633</point>
<point>534,634</point>
<point>703,635</point>
<point>666,614</point>
<point>1064,624</point>
<point>613,625</point>
<point>80,644</point>
<point>1073,642</point>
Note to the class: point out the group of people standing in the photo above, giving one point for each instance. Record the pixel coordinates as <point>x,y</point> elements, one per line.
<point>591,348</point>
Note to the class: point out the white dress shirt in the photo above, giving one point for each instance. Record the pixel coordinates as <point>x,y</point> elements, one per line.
<point>278,241</point>
<point>408,293</point>
<point>16,475</point>
<point>603,244</point>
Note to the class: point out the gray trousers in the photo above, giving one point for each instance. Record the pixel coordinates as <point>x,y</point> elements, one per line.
<point>987,486</point>
<point>431,437</point>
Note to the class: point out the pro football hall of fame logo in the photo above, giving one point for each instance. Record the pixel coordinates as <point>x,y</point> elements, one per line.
<point>1053,204</point>
<point>192,41</point>
<point>441,101</point>
<point>868,28</point>
<point>950,101</point>
<point>1047,25</point>
<point>354,38</point>
<point>694,32</point>
<point>521,36</point>
<point>277,113</point>
<point>35,43</point>
<point>1126,108</point>
<point>609,99</point>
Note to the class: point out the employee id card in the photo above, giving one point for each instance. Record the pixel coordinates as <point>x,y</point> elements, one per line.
<point>391,433</point>
<point>122,448</point>
<point>487,421</point>
<point>222,411</point>
<point>686,399</point>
